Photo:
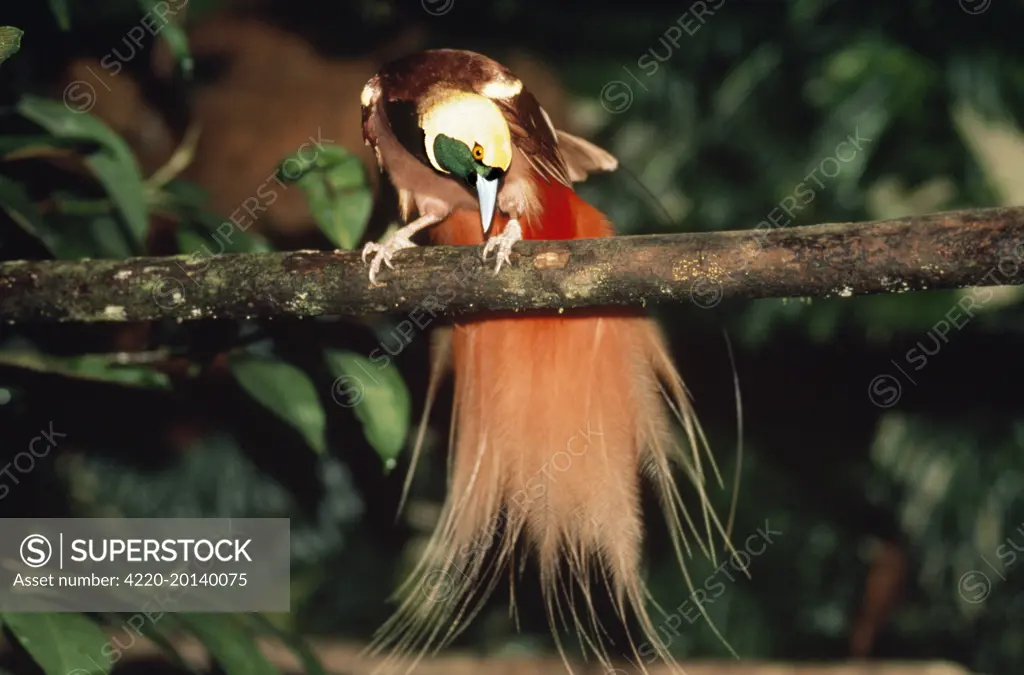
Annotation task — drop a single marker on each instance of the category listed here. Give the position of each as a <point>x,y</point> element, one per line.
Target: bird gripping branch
<point>477,160</point>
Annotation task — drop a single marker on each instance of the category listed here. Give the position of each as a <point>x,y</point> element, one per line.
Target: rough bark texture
<point>945,250</point>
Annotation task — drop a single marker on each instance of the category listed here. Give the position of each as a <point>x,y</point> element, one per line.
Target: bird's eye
<point>478,152</point>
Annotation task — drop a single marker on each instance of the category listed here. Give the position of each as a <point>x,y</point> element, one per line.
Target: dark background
<point>886,495</point>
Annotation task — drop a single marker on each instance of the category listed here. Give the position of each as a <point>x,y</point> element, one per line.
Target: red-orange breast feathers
<point>556,418</point>
<point>563,216</point>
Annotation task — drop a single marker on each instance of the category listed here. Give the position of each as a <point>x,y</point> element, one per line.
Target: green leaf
<point>154,631</point>
<point>187,192</point>
<point>14,200</point>
<point>229,643</point>
<point>61,643</point>
<point>10,41</point>
<point>24,145</point>
<point>198,9</point>
<point>284,390</point>
<point>379,398</point>
<point>206,236</point>
<point>337,190</point>
<point>174,35</point>
<point>204,233</point>
<point>157,630</point>
<point>96,367</point>
<point>310,663</point>
<point>66,237</point>
<point>114,165</point>
<point>110,241</point>
<point>76,236</point>
<point>192,242</point>
<point>62,13</point>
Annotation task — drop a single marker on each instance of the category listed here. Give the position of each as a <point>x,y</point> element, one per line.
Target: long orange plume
<point>556,420</point>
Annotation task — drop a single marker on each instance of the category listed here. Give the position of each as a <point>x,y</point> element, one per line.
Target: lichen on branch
<point>982,247</point>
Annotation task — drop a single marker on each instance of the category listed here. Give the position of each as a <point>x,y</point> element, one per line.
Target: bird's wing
<point>583,158</point>
<point>369,99</point>
<point>534,135</point>
<point>390,114</point>
<point>553,154</point>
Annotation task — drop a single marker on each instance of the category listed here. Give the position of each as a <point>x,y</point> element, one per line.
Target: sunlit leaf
<point>228,642</point>
<point>335,185</point>
<point>10,41</point>
<point>379,398</point>
<point>61,643</point>
<point>286,391</point>
<point>114,166</point>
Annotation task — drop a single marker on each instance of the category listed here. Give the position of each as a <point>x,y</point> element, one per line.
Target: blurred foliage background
<point>883,435</point>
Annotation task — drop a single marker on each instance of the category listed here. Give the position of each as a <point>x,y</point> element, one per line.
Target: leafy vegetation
<point>871,426</point>
<point>103,208</point>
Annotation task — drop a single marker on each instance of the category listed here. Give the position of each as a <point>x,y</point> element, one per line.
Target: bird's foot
<point>503,243</point>
<point>382,252</point>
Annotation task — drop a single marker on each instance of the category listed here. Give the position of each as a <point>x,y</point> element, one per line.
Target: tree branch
<point>945,250</point>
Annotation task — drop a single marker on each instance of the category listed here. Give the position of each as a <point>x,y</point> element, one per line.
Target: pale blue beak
<point>487,193</point>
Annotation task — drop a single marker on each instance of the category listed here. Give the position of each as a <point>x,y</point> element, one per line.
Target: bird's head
<point>467,137</point>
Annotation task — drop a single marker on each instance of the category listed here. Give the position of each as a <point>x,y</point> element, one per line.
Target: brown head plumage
<point>400,100</point>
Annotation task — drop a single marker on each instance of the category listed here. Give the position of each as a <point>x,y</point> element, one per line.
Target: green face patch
<point>454,156</point>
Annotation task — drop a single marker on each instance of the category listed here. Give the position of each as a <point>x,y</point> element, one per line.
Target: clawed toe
<point>382,254</point>
<point>503,244</point>
<point>400,239</point>
<point>502,257</point>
